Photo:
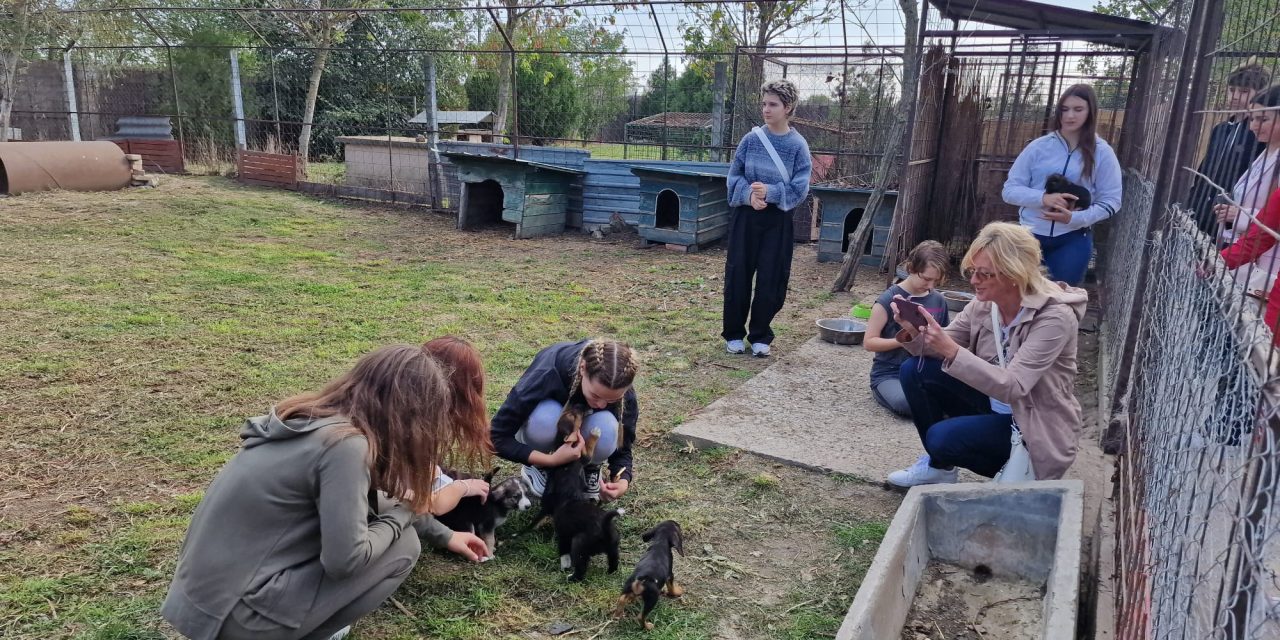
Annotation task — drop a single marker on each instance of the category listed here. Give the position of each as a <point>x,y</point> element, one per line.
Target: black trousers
<point>760,247</point>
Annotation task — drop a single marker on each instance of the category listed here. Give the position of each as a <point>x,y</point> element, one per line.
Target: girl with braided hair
<point>594,373</point>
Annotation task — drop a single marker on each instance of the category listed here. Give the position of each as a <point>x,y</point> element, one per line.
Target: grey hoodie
<point>290,508</point>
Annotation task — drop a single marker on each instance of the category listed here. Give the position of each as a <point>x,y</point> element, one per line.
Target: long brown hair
<point>397,398</point>
<point>467,409</point>
<point>1088,132</point>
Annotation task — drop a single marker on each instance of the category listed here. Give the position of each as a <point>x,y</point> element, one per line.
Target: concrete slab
<point>812,408</point>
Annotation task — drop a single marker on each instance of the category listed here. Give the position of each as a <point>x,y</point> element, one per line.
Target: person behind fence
<point>926,267</point>
<point>1232,144</point>
<point>1257,274</point>
<point>1260,240</point>
<point>1073,150</point>
<point>768,178</point>
<point>290,539</point>
<point>596,373</point>
<point>1008,358</point>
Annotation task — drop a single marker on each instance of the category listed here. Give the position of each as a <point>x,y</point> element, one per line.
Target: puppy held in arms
<point>483,518</point>
<point>1058,183</point>
<point>654,571</point>
<point>582,528</point>
<point>569,428</point>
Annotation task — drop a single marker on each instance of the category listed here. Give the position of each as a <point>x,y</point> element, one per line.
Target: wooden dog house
<point>842,209</point>
<point>531,195</point>
<point>685,207</point>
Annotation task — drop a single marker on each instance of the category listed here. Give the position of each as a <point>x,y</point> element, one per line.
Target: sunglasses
<point>981,275</point>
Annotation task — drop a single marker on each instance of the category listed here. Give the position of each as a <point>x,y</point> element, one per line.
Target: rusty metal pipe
<point>74,166</point>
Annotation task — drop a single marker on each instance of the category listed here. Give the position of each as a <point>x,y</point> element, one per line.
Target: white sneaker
<point>759,349</point>
<point>535,478</point>
<point>593,484</point>
<point>735,346</point>
<point>921,473</point>
<point>340,633</point>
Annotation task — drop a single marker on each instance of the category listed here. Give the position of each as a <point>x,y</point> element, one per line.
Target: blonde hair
<point>786,91</point>
<point>1014,253</point>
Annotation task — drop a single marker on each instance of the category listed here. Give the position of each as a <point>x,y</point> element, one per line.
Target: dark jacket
<point>289,509</point>
<point>549,377</point>
<point>1232,147</point>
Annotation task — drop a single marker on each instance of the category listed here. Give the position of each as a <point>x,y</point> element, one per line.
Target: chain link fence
<point>1189,365</point>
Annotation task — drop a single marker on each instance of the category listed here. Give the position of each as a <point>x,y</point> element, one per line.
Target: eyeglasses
<point>982,276</point>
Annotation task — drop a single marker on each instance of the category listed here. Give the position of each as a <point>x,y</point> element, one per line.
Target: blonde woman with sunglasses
<point>1009,358</point>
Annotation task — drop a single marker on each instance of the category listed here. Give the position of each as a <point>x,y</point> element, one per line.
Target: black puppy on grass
<point>583,529</point>
<point>654,571</point>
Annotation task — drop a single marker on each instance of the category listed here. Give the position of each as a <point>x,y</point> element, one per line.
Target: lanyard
<point>1001,333</point>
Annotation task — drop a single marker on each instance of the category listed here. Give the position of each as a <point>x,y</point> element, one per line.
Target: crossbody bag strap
<point>773,153</point>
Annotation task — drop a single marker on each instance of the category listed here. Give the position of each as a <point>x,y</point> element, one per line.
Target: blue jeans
<point>540,431</point>
<point>1067,256</point>
<point>955,421</point>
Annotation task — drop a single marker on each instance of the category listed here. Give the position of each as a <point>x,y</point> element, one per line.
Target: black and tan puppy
<point>483,518</point>
<point>654,571</point>
<point>1058,183</point>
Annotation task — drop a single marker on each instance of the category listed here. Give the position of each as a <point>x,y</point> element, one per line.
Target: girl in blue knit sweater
<point>768,178</point>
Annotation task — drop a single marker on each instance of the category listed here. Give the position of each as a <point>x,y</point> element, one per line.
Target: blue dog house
<point>842,210</point>
<point>684,207</point>
<point>532,195</point>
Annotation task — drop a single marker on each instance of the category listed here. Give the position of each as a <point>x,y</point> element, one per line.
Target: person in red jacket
<point>1256,242</point>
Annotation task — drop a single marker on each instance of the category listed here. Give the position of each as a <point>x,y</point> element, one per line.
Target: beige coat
<point>1039,382</point>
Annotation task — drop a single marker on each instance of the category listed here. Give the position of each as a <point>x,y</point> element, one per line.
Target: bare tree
<point>899,144</point>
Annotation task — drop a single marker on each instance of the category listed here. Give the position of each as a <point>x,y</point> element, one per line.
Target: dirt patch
<point>960,604</point>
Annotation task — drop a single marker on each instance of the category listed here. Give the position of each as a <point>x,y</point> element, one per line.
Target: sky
<point>876,21</point>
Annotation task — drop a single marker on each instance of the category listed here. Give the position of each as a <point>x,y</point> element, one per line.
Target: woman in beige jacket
<point>965,394</point>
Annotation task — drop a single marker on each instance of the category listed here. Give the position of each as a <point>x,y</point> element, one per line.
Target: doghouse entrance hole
<point>668,213</point>
<point>484,204</point>
<point>851,221</point>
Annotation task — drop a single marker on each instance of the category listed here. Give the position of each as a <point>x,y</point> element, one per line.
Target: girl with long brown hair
<point>597,374</point>
<point>291,539</point>
<point>1072,149</point>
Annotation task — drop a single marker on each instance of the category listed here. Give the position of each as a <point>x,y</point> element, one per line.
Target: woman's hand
<point>610,491</point>
<point>568,452</point>
<point>759,189</point>
<point>1055,201</point>
<point>1061,216</point>
<point>475,487</point>
<point>937,341</point>
<point>468,546</point>
<point>758,203</point>
<point>1226,213</point>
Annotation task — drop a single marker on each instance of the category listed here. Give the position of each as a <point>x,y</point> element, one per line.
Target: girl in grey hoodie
<point>291,539</point>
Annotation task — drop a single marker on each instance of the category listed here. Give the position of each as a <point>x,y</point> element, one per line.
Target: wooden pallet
<point>267,169</point>
<point>158,156</point>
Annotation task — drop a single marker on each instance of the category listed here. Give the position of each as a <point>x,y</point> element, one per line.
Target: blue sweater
<point>751,163</point>
<point>1049,154</point>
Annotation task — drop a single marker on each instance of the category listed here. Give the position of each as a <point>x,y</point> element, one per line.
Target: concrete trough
<point>1029,533</point>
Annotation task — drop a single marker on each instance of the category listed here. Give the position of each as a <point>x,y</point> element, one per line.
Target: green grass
<point>142,327</point>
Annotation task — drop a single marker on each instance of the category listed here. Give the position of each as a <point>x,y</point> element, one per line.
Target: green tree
<point>550,98</point>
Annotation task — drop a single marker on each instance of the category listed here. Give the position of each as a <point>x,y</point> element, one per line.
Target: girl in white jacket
<point>1072,149</point>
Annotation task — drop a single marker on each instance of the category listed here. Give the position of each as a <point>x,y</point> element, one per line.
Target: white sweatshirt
<point>1050,154</point>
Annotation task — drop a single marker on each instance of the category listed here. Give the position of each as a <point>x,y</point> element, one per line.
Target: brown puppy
<point>654,571</point>
<point>569,428</point>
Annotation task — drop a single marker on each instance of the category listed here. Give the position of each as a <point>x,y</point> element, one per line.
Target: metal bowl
<point>841,330</point>
<point>957,300</point>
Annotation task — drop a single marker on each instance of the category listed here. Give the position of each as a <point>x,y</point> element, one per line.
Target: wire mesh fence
<point>633,81</point>
<point>1189,362</point>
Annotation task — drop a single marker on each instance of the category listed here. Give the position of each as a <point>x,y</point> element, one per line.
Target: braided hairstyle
<point>608,362</point>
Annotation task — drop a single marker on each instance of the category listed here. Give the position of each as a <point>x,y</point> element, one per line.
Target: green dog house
<point>532,195</point>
